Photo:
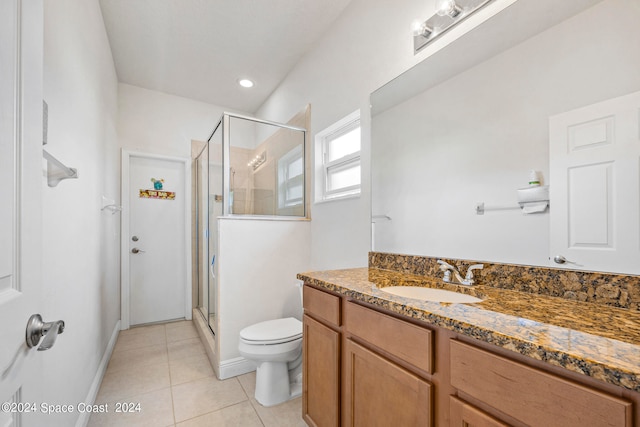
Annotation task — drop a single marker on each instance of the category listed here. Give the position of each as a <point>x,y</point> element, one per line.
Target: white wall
<point>80,243</point>
<point>160,123</point>
<point>369,44</point>
<point>258,263</point>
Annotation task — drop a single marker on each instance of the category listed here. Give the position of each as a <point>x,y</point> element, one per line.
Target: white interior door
<point>21,30</point>
<point>595,186</point>
<point>155,244</point>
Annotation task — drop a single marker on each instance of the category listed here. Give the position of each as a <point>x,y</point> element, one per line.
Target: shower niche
<point>251,229</point>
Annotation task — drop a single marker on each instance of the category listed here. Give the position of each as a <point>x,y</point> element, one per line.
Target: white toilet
<point>276,347</point>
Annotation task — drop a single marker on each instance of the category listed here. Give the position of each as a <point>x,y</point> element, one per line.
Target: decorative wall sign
<point>157,192</point>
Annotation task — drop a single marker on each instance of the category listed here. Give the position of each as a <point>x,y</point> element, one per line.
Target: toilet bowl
<point>276,347</point>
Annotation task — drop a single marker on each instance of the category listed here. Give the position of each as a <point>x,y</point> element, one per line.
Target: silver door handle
<point>136,251</point>
<point>36,329</point>
<point>559,259</point>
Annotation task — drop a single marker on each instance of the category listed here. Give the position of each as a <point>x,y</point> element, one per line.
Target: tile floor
<point>164,368</point>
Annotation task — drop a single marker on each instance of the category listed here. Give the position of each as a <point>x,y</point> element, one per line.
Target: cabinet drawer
<point>404,340</point>
<point>532,396</point>
<point>321,305</point>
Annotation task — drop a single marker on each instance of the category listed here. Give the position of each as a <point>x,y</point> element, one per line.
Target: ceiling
<point>199,48</point>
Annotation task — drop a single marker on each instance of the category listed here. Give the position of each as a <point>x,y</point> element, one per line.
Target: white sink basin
<point>430,294</point>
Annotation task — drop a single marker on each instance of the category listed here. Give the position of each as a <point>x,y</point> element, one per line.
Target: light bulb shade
<point>422,29</point>
<point>449,13</point>
<point>447,7</point>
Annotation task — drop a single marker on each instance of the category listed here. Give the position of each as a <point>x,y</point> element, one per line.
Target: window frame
<point>325,167</point>
<point>284,162</point>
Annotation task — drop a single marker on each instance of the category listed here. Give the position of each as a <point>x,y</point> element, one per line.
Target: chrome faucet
<point>447,269</point>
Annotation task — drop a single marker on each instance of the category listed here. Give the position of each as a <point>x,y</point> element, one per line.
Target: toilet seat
<point>276,331</point>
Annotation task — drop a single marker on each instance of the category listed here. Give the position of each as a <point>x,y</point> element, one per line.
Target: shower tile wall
<point>240,179</point>
<point>263,201</point>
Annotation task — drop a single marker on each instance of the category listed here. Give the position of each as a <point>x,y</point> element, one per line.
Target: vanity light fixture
<point>258,160</point>
<point>448,14</point>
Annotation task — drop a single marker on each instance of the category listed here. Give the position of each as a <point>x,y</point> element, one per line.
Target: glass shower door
<point>202,221</point>
<point>215,185</point>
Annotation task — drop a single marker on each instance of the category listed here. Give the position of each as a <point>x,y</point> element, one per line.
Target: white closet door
<point>595,186</point>
<point>155,246</point>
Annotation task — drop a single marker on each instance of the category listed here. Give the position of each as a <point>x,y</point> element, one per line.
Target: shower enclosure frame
<point>224,126</point>
<point>225,121</point>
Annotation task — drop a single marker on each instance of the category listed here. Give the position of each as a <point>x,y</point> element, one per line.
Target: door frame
<point>125,287</point>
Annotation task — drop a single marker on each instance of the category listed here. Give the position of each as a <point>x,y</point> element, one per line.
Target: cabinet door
<point>321,376</point>
<point>464,415</point>
<point>382,394</point>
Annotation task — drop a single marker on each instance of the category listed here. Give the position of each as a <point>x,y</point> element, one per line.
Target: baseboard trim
<point>236,366</point>
<point>83,419</point>
<point>225,368</point>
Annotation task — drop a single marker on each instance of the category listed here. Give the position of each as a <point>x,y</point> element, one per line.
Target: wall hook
<point>59,172</point>
<point>110,205</point>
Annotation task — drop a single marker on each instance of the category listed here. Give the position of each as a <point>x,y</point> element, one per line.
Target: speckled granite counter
<point>595,340</point>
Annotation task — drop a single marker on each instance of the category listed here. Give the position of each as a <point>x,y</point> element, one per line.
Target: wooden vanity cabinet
<point>351,372</point>
<point>379,392</point>
<point>367,367</point>
<point>321,352</point>
<point>526,394</point>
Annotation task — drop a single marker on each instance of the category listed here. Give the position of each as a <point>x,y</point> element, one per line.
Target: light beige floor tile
<point>178,324</point>
<point>179,333</point>
<point>190,368</point>
<point>185,348</point>
<point>134,381</point>
<point>128,359</point>
<point>205,395</point>
<point>287,414</point>
<point>241,414</point>
<point>156,409</point>
<point>126,342</point>
<point>141,329</point>
<point>248,383</point>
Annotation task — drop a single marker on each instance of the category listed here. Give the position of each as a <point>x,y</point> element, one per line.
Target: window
<point>291,178</point>
<point>338,159</point>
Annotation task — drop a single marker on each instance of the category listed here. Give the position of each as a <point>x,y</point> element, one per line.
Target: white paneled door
<point>595,186</point>
<point>156,249</point>
<point>21,29</point>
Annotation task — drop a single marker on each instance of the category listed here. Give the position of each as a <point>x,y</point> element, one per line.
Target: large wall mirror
<point>469,123</point>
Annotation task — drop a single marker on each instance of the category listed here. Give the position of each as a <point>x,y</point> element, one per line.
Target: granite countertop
<point>595,340</point>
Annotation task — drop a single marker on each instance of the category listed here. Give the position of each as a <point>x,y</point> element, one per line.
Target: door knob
<point>136,251</point>
<point>36,329</point>
<point>559,259</point>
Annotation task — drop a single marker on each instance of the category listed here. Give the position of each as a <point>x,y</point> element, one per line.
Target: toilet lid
<point>273,331</point>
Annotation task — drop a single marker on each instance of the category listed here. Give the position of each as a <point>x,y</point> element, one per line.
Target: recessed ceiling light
<point>245,83</point>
